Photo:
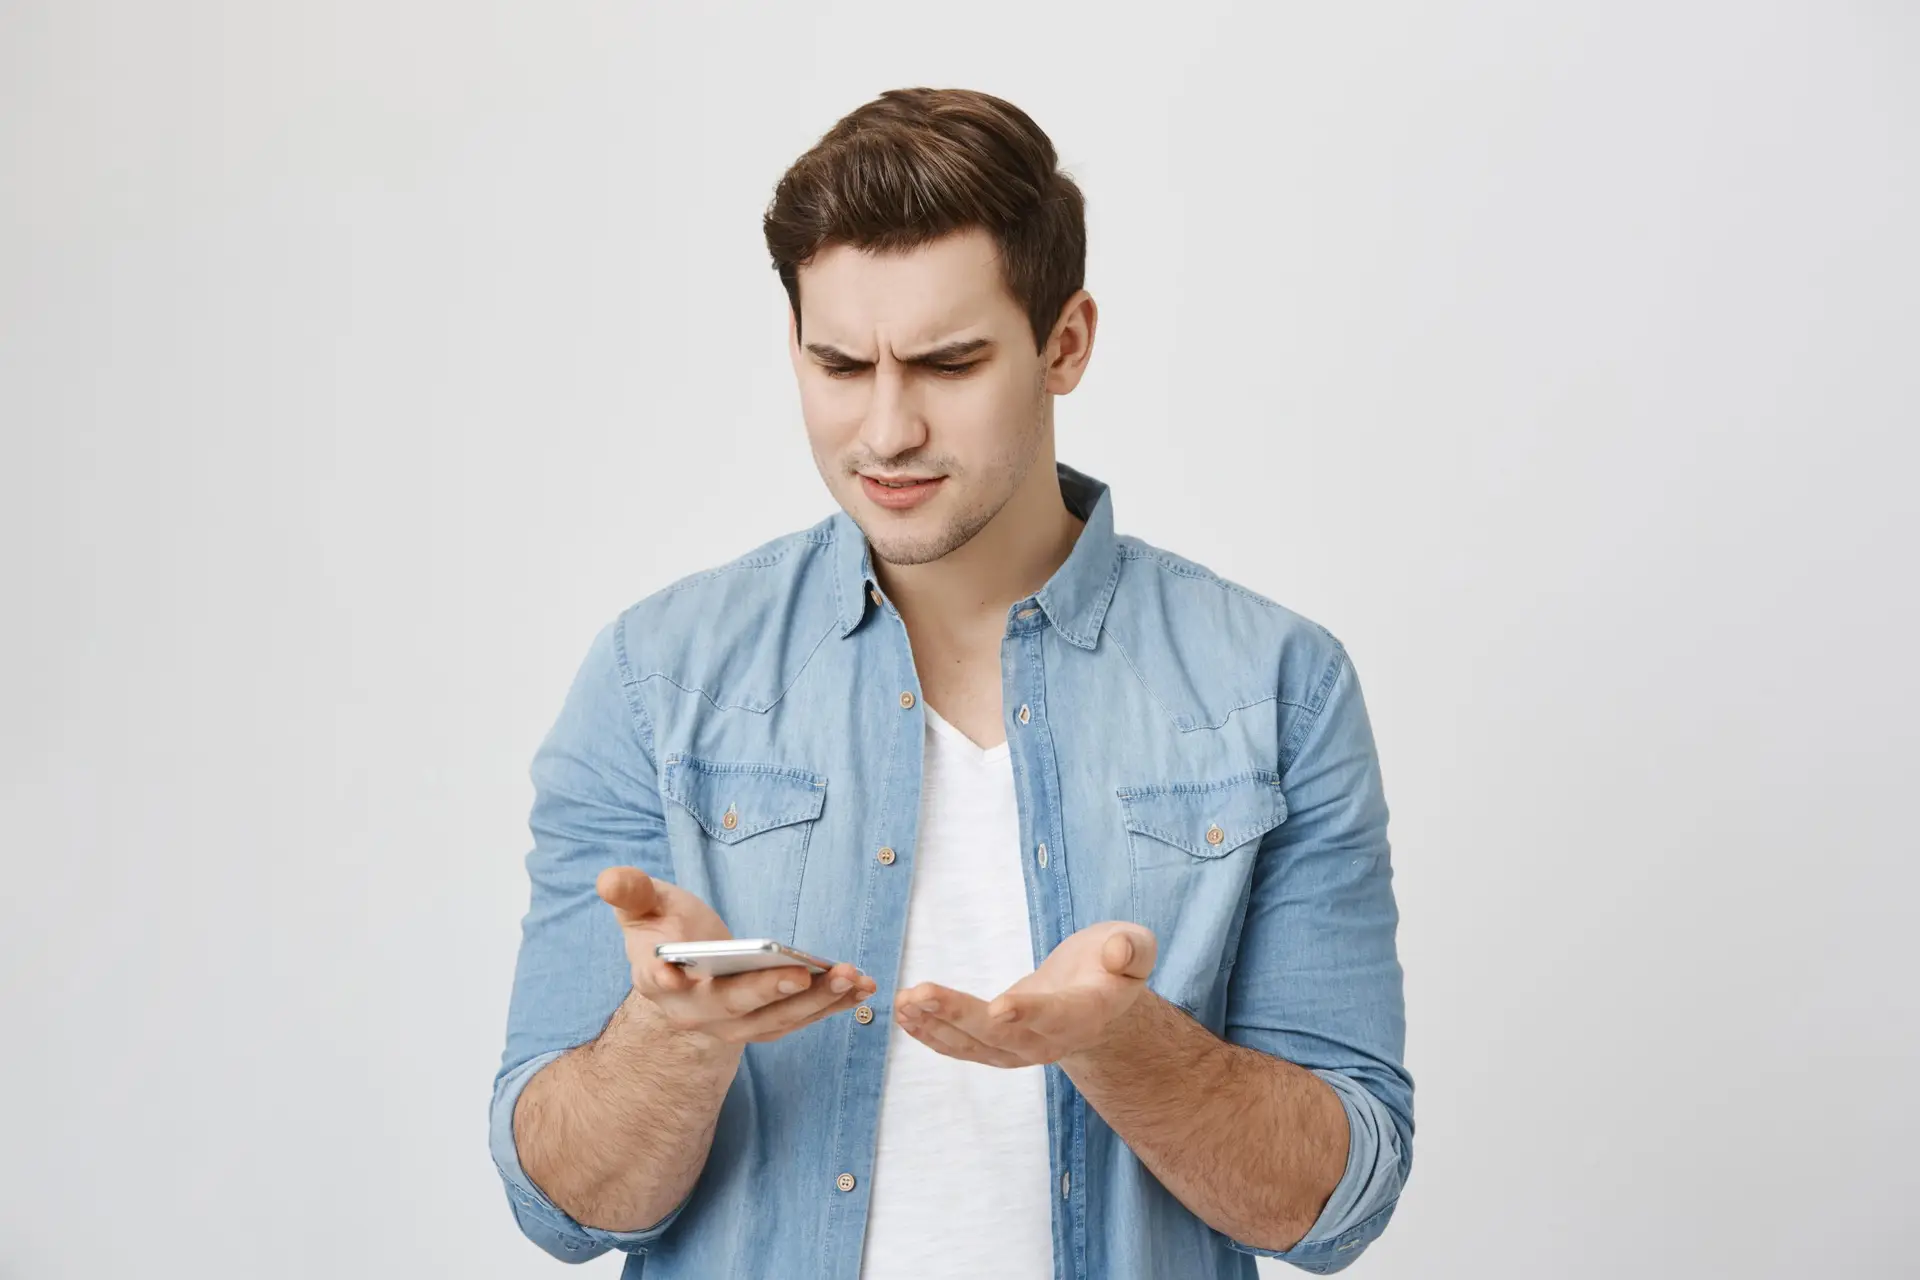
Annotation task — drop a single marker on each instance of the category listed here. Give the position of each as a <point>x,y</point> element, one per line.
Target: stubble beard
<point>983,498</point>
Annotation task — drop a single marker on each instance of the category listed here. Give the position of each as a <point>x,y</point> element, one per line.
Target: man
<point>1096,839</point>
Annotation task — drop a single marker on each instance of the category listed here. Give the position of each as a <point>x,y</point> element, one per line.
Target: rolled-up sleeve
<point>596,804</point>
<point>542,1221</point>
<point>1317,979</point>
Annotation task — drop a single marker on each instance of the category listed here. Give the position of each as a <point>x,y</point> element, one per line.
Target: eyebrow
<point>946,353</point>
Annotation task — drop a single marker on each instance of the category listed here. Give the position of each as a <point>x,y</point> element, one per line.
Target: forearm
<point>1253,1145</point>
<point>616,1131</point>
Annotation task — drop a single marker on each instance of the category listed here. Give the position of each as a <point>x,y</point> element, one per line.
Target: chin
<point>925,536</point>
<point>906,548</point>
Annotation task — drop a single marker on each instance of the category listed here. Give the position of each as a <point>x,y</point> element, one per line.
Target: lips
<point>897,494</point>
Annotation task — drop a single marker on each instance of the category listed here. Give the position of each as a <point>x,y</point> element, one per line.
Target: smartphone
<point>736,955</point>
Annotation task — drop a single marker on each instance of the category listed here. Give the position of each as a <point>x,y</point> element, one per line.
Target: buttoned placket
<point>1037,786</point>
<point>897,815</point>
<point>1048,912</point>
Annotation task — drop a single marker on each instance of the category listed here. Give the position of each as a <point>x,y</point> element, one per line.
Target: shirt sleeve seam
<point>1296,742</point>
<point>630,690</point>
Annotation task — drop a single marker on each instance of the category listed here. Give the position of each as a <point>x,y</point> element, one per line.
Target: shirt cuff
<point>1363,1202</point>
<point>544,1222</point>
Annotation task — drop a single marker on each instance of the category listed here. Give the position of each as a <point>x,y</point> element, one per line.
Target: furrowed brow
<point>945,353</point>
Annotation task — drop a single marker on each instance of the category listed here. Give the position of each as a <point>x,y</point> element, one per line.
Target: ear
<point>1070,345</point>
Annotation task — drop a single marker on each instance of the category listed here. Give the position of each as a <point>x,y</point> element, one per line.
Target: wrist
<point>639,1027</point>
<point>1112,1044</point>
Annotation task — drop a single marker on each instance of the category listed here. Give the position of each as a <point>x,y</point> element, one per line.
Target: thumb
<point>1130,952</point>
<point>629,891</point>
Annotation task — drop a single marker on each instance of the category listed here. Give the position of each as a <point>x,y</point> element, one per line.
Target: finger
<point>1130,952</point>
<point>739,994</point>
<point>838,979</point>
<point>784,1017</point>
<point>800,998</point>
<point>931,997</point>
<point>966,1011</point>
<point>1049,1015</point>
<point>924,998</point>
<point>655,978</point>
<point>844,977</point>
<point>629,891</point>
<point>704,1001</point>
<point>968,1014</point>
<point>943,1037</point>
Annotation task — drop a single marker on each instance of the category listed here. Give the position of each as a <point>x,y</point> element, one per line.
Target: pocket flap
<point>1207,819</point>
<point>734,800</point>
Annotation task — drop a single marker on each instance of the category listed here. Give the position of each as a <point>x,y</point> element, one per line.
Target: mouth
<point>899,492</point>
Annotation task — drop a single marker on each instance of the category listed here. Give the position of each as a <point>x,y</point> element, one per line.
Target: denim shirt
<point>1186,754</point>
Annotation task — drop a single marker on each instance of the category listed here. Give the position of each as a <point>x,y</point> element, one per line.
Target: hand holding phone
<point>752,1005</point>
<point>719,958</point>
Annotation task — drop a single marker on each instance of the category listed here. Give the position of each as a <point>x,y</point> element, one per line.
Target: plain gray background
<point>358,360</point>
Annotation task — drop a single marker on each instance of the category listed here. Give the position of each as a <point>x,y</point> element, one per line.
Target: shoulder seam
<point>623,670</point>
<point>1336,667</point>
<point>782,548</point>
<point>1142,551</point>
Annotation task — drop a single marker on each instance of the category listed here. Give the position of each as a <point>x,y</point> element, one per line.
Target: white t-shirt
<point>961,1181</point>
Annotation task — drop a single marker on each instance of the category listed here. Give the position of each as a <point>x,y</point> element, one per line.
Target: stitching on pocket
<point>1242,807</point>
<point>799,794</point>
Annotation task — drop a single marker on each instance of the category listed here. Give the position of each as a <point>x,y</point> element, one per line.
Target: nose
<point>893,425</point>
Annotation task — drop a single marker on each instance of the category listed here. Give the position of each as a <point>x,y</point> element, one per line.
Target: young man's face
<point>918,368</point>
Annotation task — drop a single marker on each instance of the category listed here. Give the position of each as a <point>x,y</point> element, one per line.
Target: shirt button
<point>730,819</point>
<point>886,856</point>
<point>906,702</point>
<point>863,1015</point>
<point>1215,835</point>
<point>1025,715</point>
<point>1043,854</point>
<point>844,1182</point>
<point>874,595</point>
<point>1066,1182</point>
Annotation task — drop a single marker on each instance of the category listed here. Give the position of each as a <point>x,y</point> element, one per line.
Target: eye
<point>956,370</point>
<point>839,371</point>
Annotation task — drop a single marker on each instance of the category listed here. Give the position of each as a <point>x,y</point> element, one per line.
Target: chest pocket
<point>749,825</point>
<point>1191,847</point>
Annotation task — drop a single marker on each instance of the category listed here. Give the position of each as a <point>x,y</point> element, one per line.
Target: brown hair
<point>914,165</point>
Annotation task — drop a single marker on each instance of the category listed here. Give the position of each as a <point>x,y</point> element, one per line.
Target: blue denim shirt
<point>1186,753</point>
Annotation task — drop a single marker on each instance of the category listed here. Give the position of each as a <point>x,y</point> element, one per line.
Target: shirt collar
<point>1075,598</point>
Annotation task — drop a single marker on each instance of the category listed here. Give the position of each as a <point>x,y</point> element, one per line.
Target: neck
<point>966,593</point>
